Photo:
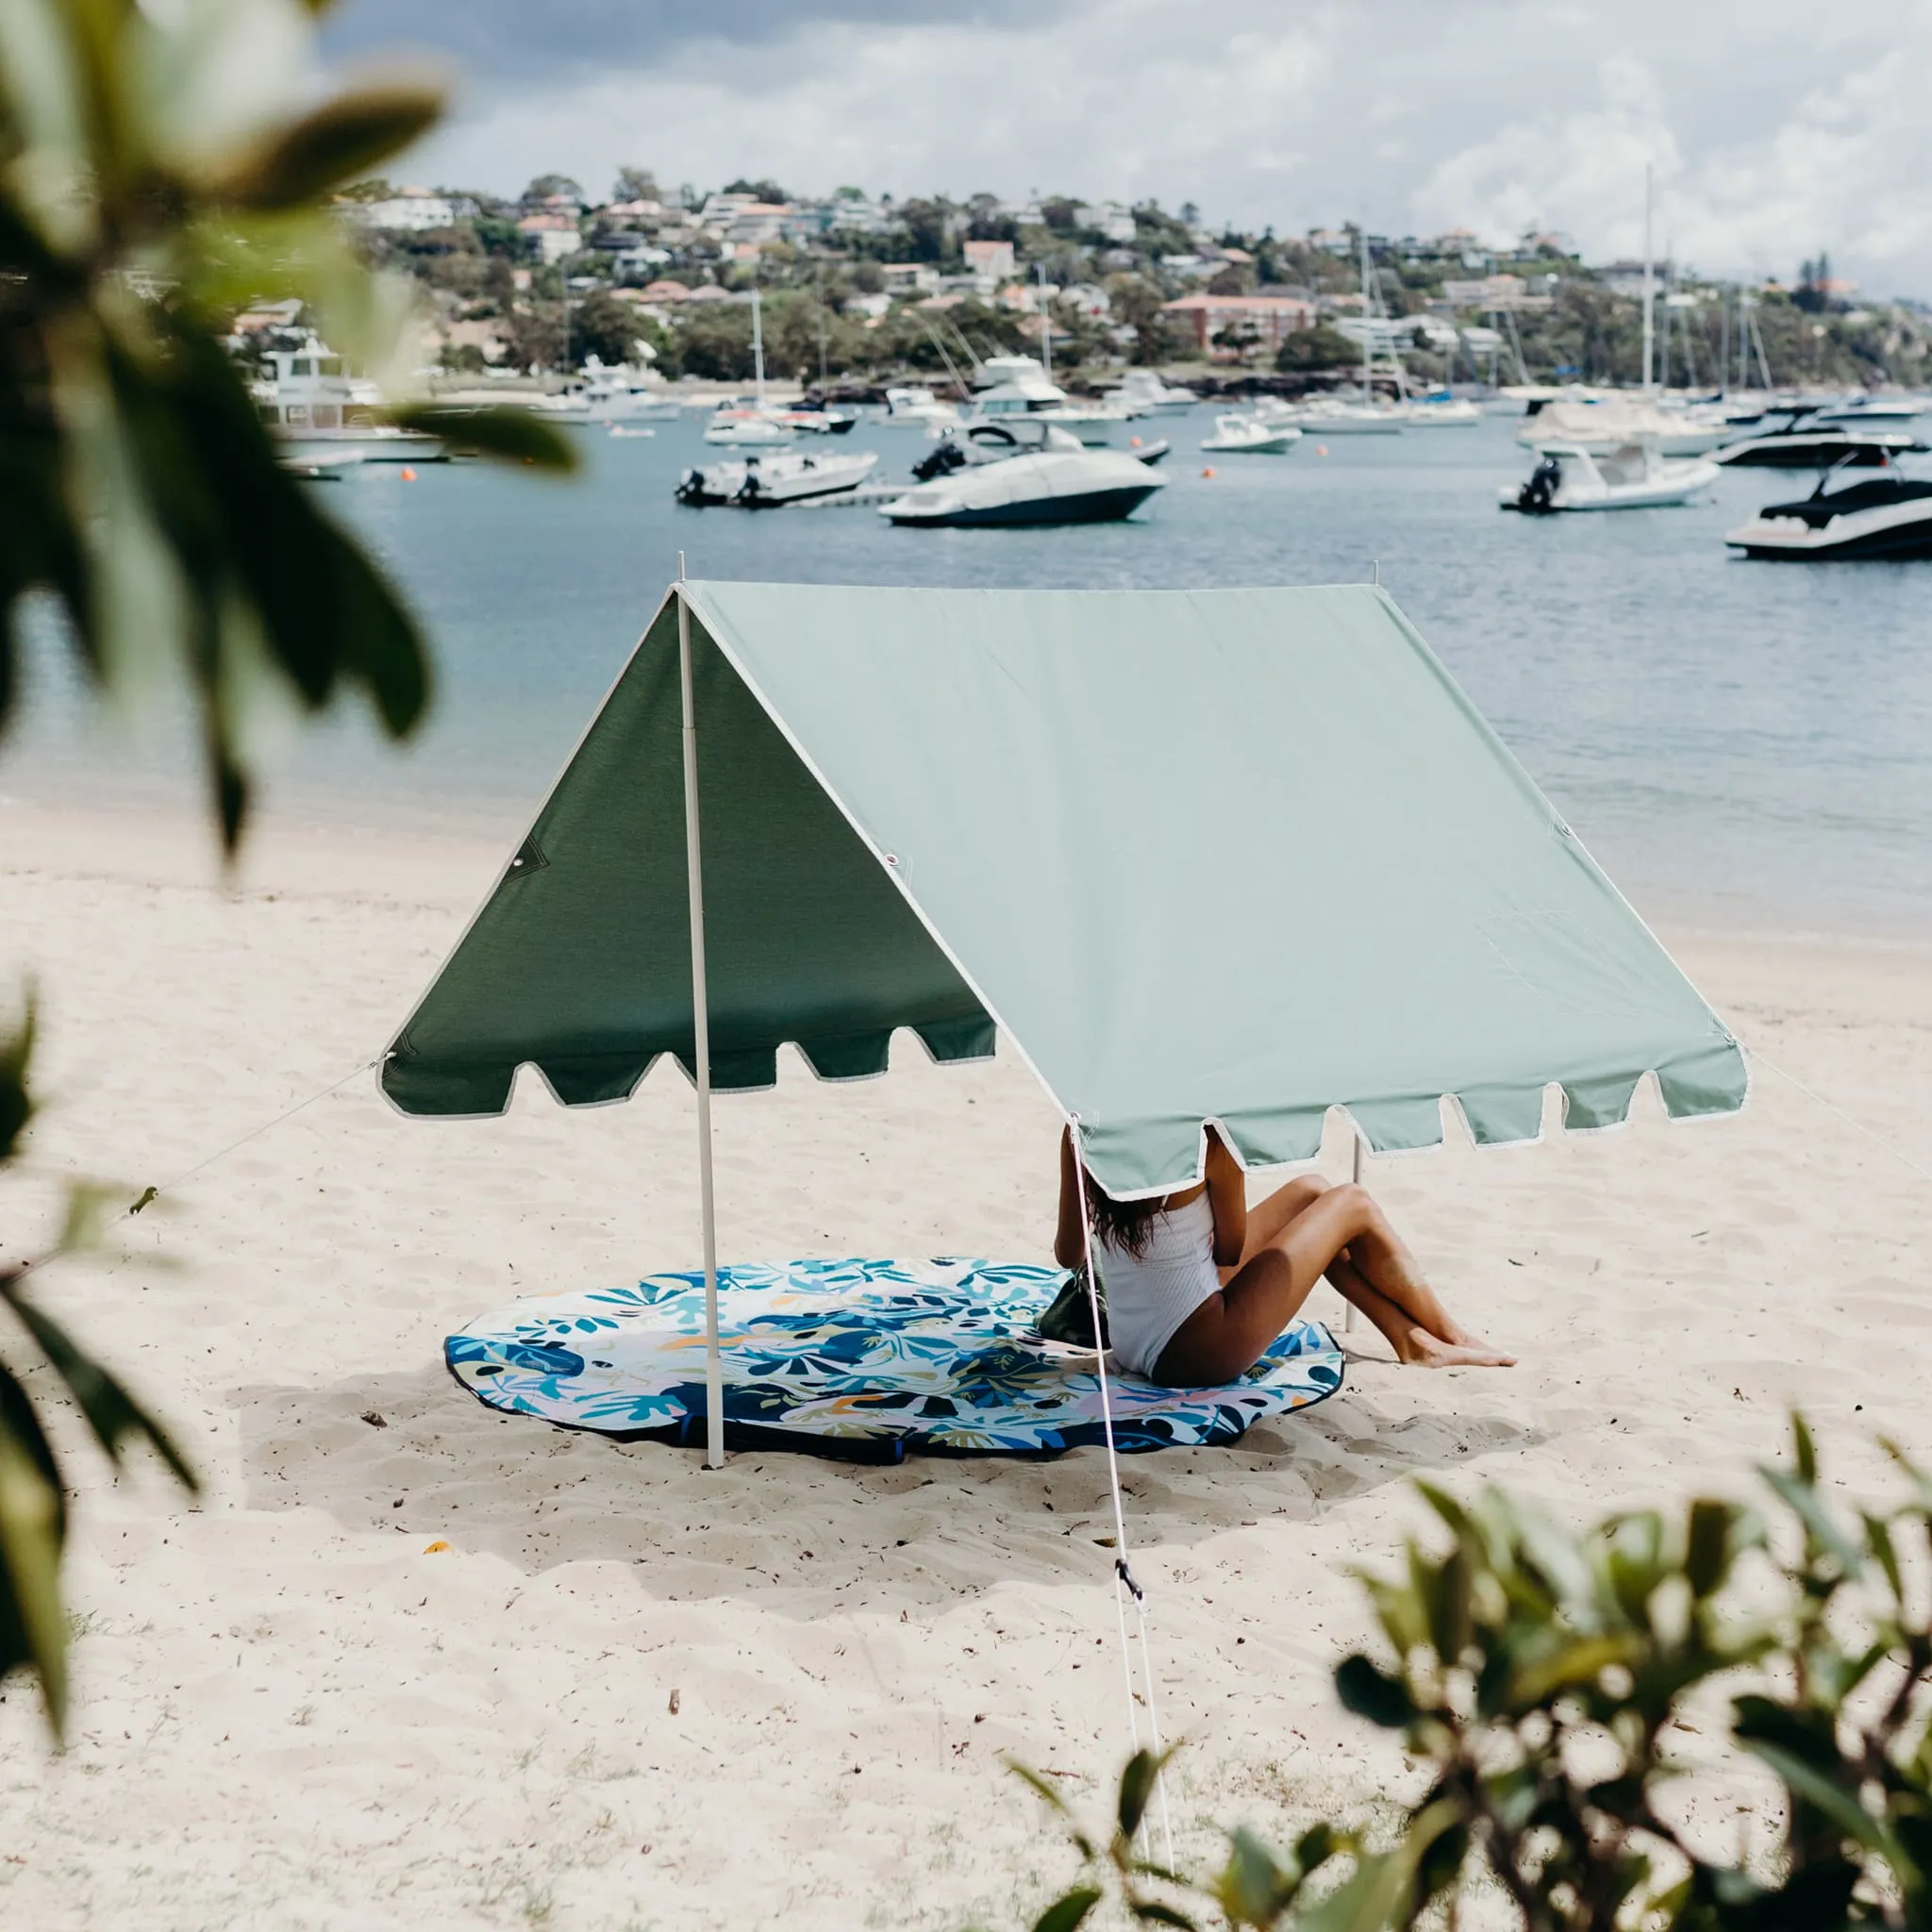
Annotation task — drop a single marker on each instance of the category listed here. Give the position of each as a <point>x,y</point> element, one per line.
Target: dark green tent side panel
<point>581,959</point>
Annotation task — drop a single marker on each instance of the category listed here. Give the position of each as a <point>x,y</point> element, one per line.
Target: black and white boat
<point>973,444</point>
<point>770,481</point>
<point>1806,438</point>
<point>1014,474</point>
<point>1882,517</point>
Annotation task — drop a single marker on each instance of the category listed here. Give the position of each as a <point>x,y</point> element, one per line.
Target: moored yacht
<point>1442,410</point>
<point>772,480</point>
<point>1061,483</point>
<point>604,395</point>
<point>1880,517</point>
<point>917,409</point>
<point>321,414</point>
<point>1144,394</point>
<point>1585,476</point>
<point>1255,436</point>
<point>1019,386</point>
<point>1799,438</point>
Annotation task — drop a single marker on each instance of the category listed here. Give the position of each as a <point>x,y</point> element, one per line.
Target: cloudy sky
<point>1775,127</point>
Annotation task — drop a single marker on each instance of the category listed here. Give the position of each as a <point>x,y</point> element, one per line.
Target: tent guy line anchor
<point>155,1190</point>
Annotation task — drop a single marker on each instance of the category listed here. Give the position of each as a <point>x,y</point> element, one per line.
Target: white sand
<point>288,1715</point>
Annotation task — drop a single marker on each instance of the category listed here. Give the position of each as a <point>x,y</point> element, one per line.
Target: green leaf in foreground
<point>1068,1910</point>
<point>332,145</point>
<point>32,1528</point>
<point>111,1412</point>
<point>509,434</point>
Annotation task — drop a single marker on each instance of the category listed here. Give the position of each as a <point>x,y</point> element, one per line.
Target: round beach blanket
<point>938,1354</point>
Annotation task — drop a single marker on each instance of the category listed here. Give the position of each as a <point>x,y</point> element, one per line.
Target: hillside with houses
<point>857,288</point>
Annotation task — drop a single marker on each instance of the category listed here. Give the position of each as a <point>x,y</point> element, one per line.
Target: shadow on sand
<point>925,1532</point>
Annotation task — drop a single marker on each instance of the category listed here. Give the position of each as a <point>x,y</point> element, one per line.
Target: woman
<point>1198,1283</point>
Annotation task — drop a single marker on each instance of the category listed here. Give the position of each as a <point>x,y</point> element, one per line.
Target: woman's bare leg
<point>1225,1336</point>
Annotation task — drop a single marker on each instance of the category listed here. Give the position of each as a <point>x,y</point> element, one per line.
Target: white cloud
<point>1844,167</point>
<point>1775,129</point>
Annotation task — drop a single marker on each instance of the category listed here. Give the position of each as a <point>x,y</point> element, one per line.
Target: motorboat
<point>1021,387</point>
<point>753,428</point>
<point>1616,419</point>
<point>1444,410</point>
<point>1632,476</point>
<point>1797,439</point>
<point>1868,411</point>
<point>1254,436</point>
<point>602,396</point>
<point>917,409</point>
<point>620,431</point>
<point>1881,517</point>
<point>1145,394</point>
<point>1058,486</point>
<point>770,482</point>
<point>1328,416</point>
<point>822,422</point>
<point>972,445</point>
<point>316,411</point>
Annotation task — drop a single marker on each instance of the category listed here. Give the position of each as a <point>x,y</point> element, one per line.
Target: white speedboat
<point>917,409</point>
<point>973,444</point>
<point>1145,394</point>
<point>1250,436</point>
<point>602,395</point>
<point>747,429</point>
<point>318,412</point>
<point>1634,475</point>
<point>1882,517</point>
<point>1021,387</point>
<point>820,422</point>
<point>1059,486</point>
<point>770,482</point>
<point>1326,418</point>
<point>1798,439</point>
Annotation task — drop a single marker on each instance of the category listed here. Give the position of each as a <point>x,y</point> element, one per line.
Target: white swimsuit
<point>1150,1295</point>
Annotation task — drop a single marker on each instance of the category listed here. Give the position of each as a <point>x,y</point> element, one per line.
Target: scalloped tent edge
<point>1239,856</point>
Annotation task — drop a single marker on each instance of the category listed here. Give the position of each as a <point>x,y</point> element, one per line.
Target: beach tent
<point>1233,856</point>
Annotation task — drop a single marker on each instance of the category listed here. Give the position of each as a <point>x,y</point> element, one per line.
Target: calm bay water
<point>1739,744</point>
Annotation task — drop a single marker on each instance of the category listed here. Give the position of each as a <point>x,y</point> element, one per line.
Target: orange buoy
<point>1209,471</point>
<point>408,474</point>
<point>1321,449</point>
<point>1135,441</point>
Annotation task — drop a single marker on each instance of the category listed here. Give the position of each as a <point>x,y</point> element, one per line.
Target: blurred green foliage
<point>1547,1680</point>
<point>162,168</point>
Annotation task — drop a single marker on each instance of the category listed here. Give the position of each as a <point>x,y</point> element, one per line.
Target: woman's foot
<point>1419,1349</point>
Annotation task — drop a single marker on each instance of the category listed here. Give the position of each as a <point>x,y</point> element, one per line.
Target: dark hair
<point>1123,1224</point>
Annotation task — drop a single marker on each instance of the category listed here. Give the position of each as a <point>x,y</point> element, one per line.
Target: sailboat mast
<point>1367,334</point>
<point>757,346</point>
<point>1649,285</point>
<point>1045,322</point>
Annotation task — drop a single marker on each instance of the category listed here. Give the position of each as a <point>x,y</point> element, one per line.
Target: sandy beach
<point>634,1695</point>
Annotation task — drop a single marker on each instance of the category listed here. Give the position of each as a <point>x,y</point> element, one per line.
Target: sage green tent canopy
<point>1228,855</point>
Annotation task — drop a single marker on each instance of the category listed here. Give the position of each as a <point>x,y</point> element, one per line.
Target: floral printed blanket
<point>926,1354</point>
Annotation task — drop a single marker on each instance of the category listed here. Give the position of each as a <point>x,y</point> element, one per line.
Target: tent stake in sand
<point>701,1042</point>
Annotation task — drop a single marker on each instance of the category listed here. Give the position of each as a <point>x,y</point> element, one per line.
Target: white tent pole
<point>701,1042</point>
